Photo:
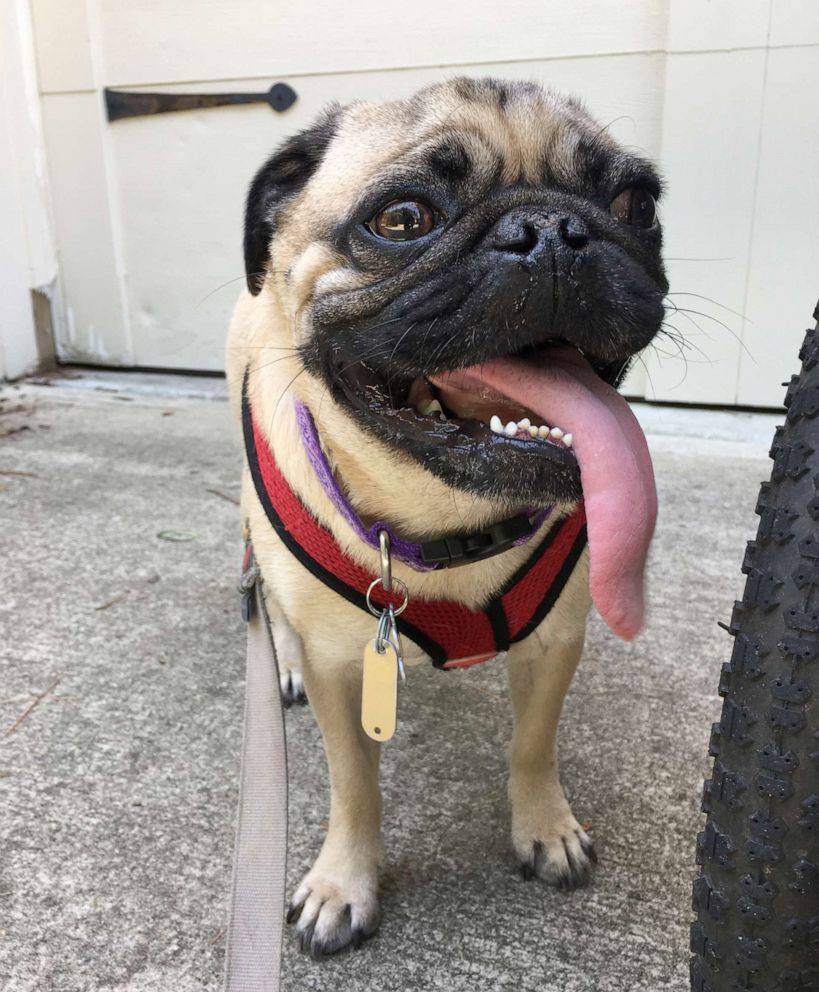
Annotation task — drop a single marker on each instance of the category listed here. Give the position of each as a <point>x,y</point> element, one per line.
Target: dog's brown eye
<point>404,220</point>
<point>634,206</point>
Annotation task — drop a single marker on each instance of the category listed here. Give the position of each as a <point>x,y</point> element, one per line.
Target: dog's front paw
<point>334,909</point>
<point>554,848</point>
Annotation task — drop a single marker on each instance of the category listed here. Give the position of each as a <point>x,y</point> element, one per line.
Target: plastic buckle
<point>449,552</point>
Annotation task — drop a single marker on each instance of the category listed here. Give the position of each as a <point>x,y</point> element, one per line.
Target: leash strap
<point>254,940</point>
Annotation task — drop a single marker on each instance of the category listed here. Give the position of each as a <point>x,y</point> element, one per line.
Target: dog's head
<point>461,268</point>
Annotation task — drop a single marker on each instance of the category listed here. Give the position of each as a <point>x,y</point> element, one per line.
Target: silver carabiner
<point>384,631</point>
<point>395,640</point>
<point>387,633</point>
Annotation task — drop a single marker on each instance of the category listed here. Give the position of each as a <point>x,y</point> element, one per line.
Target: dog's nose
<point>574,232</point>
<point>524,233</point>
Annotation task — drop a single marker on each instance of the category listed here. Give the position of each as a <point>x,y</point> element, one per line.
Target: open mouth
<point>478,410</point>
<point>530,430</point>
<point>462,413</point>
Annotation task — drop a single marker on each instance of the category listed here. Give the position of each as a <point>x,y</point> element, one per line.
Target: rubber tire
<point>757,895</point>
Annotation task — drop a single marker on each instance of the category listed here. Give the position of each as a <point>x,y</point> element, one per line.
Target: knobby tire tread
<point>756,899</point>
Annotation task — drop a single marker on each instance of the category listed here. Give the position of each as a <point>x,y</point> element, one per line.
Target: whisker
<point>267,365</point>
<point>622,117</point>
<point>730,258</point>
<point>455,507</point>
<point>390,377</point>
<point>443,347</point>
<point>685,311</point>
<point>230,282</point>
<point>281,397</point>
<point>684,358</point>
<point>680,339</point>
<point>261,347</point>
<point>715,302</point>
<point>641,360</point>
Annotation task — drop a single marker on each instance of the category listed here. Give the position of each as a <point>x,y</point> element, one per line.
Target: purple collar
<point>429,555</point>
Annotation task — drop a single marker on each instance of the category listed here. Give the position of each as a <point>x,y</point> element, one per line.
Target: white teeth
<point>426,407</point>
<point>525,426</point>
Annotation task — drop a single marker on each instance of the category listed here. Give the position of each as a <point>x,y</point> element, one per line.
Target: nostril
<point>520,239</point>
<point>574,232</point>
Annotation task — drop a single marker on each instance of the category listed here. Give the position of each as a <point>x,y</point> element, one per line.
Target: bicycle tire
<point>756,898</point>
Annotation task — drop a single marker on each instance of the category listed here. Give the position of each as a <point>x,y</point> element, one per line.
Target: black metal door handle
<point>126,103</point>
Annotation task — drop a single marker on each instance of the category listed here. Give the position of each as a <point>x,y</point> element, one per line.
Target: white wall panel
<point>714,25</point>
<point>711,127</point>
<point>795,22</point>
<point>153,41</point>
<point>64,61</point>
<point>148,211</point>
<point>181,216</point>
<point>783,279</point>
<point>94,326</point>
<point>18,342</point>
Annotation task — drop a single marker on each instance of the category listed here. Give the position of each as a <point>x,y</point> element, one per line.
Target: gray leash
<point>254,940</point>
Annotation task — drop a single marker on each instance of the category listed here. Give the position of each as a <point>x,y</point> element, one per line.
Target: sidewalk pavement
<point>121,667</point>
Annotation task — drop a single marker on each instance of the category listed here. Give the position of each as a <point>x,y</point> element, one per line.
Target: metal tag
<point>379,691</point>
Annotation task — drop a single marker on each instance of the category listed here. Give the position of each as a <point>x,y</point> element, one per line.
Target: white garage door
<point>148,210</point>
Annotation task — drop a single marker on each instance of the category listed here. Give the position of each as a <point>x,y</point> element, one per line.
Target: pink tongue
<point>615,466</point>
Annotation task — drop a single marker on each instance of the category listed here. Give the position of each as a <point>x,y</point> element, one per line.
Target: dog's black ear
<point>281,177</point>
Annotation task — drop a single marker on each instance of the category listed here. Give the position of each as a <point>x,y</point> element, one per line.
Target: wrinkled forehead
<point>486,131</point>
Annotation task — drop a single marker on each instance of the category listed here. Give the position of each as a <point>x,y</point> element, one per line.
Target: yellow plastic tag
<point>379,691</point>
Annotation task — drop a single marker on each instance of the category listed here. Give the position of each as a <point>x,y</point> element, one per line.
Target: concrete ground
<point>121,667</point>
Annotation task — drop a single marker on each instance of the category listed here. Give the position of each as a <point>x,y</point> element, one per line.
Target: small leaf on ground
<point>176,535</point>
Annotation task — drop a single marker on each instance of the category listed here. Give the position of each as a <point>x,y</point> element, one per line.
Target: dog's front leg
<point>337,901</point>
<point>547,839</point>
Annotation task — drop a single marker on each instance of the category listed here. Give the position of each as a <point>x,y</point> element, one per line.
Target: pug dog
<point>453,286</point>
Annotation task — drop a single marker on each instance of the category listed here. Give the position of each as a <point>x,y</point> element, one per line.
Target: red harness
<point>453,635</point>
